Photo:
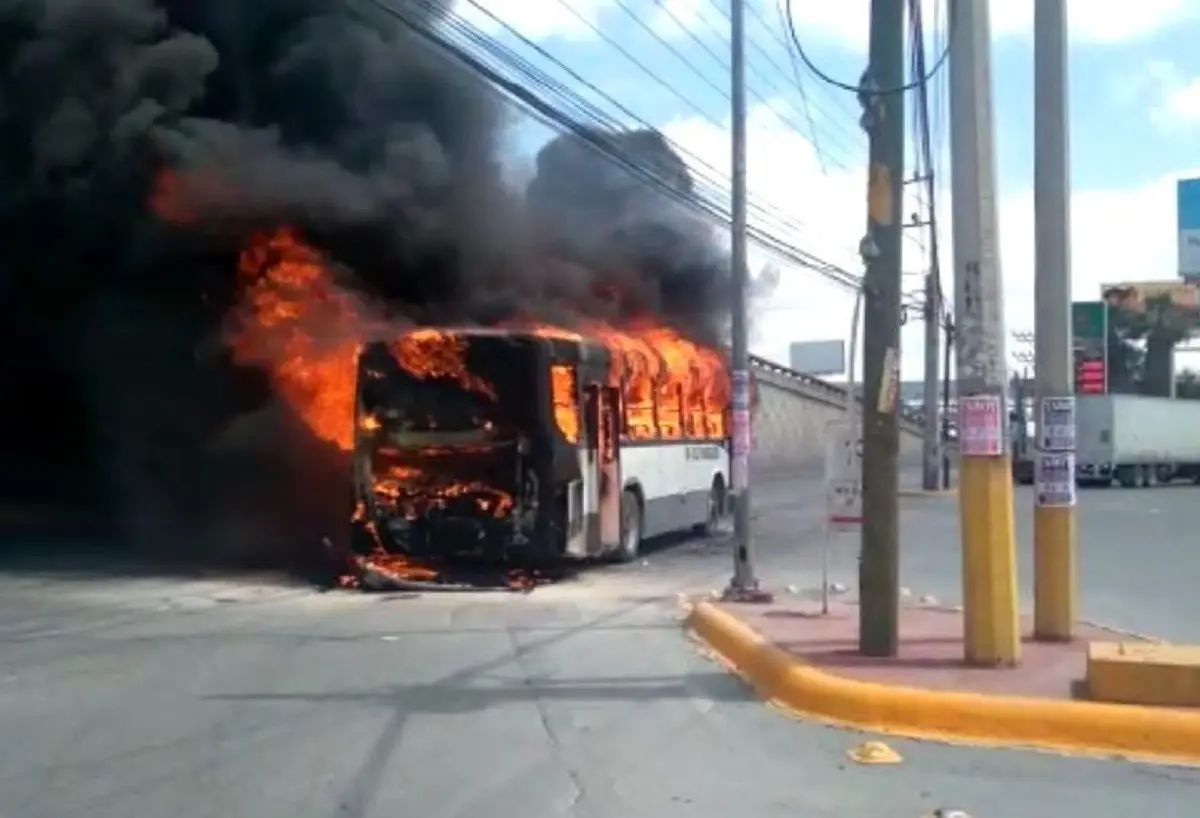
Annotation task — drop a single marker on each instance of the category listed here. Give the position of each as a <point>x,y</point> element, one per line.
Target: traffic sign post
<point>843,490</point>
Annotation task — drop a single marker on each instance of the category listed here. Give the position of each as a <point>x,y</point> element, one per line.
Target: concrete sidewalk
<point>807,663</point>
<point>931,649</point>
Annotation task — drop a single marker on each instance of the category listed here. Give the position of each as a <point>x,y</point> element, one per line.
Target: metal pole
<point>929,451</point>
<point>743,586</point>
<point>991,635</point>
<point>1054,572</point>
<point>851,387</point>
<point>878,569</point>
<point>946,403</point>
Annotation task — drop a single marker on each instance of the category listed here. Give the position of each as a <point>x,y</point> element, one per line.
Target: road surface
<point>143,698</point>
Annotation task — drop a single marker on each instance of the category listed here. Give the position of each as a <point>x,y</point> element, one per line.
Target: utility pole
<point>1054,584</point>
<point>946,353</point>
<point>883,119</point>
<point>930,465</point>
<point>991,635</point>
<point>744,585</point>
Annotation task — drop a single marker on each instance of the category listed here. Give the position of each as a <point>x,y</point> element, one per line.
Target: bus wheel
<point>716,509</point>
<point>631,527</point>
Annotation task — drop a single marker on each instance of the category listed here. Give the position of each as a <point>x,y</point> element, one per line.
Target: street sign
<point>843,475</point>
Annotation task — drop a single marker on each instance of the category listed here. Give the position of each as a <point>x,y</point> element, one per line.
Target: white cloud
<point>1092,21</point>
<point>1117,235</point>
<point>1176,99</point>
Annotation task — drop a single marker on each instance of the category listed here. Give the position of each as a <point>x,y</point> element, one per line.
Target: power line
<point>555,117</point>
<point>860,89</point>
<point>583,114</point>
<point>758,208</point>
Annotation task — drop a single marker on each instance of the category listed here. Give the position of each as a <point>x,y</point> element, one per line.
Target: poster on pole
<point>1054,479</point>
<point>1056,425</point>
<point>843,476</point>
<point>981,426</point>
<point>742,442</point>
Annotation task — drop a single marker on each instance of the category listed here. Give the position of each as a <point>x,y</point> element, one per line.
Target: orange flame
<point>305,331</point>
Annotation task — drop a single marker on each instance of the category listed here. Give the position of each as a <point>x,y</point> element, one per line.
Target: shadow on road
<point>69,543</point>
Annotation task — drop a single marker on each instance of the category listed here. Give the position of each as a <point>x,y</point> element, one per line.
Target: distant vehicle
<point>1136,440</point>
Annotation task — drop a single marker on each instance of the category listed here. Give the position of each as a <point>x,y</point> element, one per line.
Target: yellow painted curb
<point>1090,728</point>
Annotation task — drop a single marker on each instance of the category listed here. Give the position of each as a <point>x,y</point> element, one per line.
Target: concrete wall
<point>793,413</point>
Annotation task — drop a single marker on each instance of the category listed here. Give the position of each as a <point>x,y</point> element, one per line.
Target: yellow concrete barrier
<point>1136,673</point>
<point>1091,728</point>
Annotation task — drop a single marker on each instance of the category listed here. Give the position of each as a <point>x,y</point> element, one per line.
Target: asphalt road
<point>145,698</point>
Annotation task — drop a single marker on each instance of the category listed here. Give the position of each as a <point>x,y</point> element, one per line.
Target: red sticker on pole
<point>980,426</point>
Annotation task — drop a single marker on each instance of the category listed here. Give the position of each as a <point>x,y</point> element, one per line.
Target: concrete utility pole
<point>744,585</point>
<point>1054,583</point>
<point>883,118</point>
<point>991,635</point>
<point>946,353</point>
<point>930,457</point>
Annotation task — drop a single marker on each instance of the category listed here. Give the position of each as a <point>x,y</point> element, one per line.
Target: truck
<point>1136,440</point>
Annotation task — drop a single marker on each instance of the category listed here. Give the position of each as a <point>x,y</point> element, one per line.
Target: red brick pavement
<point>931,650</point>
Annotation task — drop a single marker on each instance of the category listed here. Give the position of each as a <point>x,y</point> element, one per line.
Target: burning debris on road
<point>221,213</point>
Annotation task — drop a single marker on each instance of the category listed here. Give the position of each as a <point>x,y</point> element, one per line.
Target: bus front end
<point>450,458</point>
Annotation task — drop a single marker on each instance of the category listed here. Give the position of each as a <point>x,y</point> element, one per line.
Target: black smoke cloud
<point>334,118</point>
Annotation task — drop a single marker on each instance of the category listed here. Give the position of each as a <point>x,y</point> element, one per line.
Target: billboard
<point>818,358</point>
<point>1187,192</point>
<point>1133,296</point>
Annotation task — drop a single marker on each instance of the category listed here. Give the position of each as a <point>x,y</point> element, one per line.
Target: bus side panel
<point>704,463</point>
<point>641,466</point>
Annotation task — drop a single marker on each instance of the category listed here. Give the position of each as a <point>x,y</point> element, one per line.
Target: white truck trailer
<point>1136,440</point>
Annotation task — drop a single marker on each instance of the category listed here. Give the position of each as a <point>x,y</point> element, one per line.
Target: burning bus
<point>536,444</point>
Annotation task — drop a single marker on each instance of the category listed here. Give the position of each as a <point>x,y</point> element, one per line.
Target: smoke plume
<point>337,121</point>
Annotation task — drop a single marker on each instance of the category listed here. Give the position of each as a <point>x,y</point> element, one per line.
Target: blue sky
<point>1135,114</point>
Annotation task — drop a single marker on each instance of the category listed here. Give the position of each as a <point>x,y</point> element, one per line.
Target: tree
<point>1161,325</point>
<point>1126,359</point>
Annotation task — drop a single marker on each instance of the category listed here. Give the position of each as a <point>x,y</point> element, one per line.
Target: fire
<point>302,329</point>
<point>563,387</point>
<point>672,387</point>
<point>296,323</point>
<point>431,353</point>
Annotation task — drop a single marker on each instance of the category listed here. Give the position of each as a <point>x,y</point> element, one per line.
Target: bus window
<point>669,409</point>
<point>638,422</point>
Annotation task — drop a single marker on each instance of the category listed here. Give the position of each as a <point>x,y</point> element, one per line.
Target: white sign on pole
<point>1054,478</point>
<point>843,476</point>
<point>980,426</point>
<point>1057,425</point>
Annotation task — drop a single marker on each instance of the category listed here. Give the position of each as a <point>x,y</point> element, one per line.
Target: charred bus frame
<point>524,482</point>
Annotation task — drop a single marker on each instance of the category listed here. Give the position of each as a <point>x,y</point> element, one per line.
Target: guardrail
<point>835,392</point>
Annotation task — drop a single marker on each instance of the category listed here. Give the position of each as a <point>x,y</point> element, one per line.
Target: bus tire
<point>716,509</point>
<point>631,527</point>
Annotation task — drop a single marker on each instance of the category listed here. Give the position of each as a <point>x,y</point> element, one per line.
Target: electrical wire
<point>635,61</point>
<point>724,64</point>
<point>555,117</point>
<point>859,89</point>
<point>925,151</point>
<point>488,44</point>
